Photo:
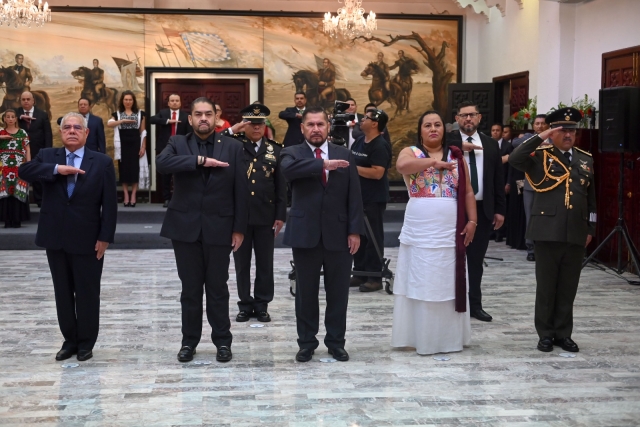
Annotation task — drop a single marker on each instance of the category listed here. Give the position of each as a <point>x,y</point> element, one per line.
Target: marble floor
<point>134,378</point>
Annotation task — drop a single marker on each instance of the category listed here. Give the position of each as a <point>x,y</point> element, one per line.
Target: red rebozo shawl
<point>461,222</point>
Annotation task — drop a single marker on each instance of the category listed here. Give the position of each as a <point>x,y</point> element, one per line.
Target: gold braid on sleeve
<point>546,164</point>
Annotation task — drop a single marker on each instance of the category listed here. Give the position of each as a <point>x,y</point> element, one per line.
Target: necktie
<point>173,125</point>
<point>255,146</point>
<point>324,173</point>
<point>568,156</point>
<point>71,179</point>
<point>28,121</point>
<point>473,170</point>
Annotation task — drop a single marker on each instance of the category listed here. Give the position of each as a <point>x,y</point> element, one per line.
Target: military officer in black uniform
<point>563,222</point>
<point>267,212</point>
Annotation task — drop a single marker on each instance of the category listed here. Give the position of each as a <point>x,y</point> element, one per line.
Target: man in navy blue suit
<point>96,140</point>
<point>77,223</point>
<point>324,227</point>
<point>293,117</point>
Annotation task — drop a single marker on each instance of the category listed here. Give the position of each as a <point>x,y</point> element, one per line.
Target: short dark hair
<point>134,107</point>
<point>371,104</point>
<point>420,120</point>
<point>300,93</point>
<point>540,116</point>
<point>96,59</point>
<point>86,99</point>
<point>351,99</point>
<point>314,110</point>
<point>467,103</point>
<point>498,124</point>
<point>202,99</point>
<point>382,119</point>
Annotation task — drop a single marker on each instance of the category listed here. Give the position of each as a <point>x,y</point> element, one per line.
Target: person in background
<point>169,121</point>
<point>36,123</point>
<point>96,140</point>
<point>539,126</point>
<point>293,117</point>
<point>130,135</point>
<point>14,191</point>
<point>431,304</point>
<point>221,124</point>
<point>81,206</point>
<point>373,160</point>
<point>505,149</point>
<point>352,124</point>
<point>516,225</point>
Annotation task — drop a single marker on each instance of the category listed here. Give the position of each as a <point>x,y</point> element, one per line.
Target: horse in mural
<point>307,81</point>
<point>406,69</point>
<point>83,75</point>
<point>378,92</point>
<point>13,87</point>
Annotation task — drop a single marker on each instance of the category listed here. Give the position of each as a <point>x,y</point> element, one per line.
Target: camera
<point>339,129</point>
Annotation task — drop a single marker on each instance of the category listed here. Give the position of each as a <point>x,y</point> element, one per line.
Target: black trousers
<point>259,238</point>
<point>476,251</point>
<point>166,186</point>
<point>558,267</point>
<point>76,284</point>
<point>367,259</point>
<point>201,264</point>
<point>337,271</point>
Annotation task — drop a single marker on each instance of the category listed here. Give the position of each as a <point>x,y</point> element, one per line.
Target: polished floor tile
<point>134,378</point>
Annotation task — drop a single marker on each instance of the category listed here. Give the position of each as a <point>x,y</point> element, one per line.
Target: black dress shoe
<point>567,344</point>
<point>531,257</point>
<point>165,204</point>
<point>65,353</point>
<point>482,315</point>
<point>224,354</point>
<point>545,344</point>
<point>243,316</point>
<point>304,354</point>
<point>340,354</point>
<point>499,239</point>
<point>263,316</point>
<point>84,355</point>
<point>186,354</point>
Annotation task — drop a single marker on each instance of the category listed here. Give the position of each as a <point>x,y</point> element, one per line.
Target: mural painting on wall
<point>403,68</point>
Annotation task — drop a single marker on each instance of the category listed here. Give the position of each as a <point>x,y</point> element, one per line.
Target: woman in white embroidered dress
<point>430,307</point>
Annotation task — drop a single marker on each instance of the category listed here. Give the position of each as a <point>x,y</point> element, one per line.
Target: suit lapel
<point>193,145</point>
<point>61,160</point>
<point>85,165</point>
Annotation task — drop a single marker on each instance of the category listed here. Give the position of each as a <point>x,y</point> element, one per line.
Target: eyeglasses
<point>367,117</point>
<point>67,128</point>
<point>469,115</point>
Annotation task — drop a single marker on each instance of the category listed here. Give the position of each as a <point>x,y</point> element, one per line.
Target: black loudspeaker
<point>620,120</point>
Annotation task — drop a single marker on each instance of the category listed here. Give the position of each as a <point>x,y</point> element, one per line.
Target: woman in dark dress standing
<point>130,139</point>
<point>516,226</point>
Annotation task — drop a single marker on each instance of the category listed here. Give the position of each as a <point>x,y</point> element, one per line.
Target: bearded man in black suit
<point>487,181</point>
<point>206,219</point>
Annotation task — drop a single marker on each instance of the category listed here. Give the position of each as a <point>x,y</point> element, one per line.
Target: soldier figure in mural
<point>385,68</point>
<point>24,74</point>
<point>327,81</point>
<point>97,78</point>
<point>406,66</point>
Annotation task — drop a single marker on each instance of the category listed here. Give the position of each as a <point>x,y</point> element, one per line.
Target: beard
<point>469,128</point>
<point>203,129</point>
<point>316,141</point>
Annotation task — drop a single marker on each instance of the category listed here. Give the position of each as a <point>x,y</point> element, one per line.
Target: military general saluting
<point>267,212</point>
<point>562,222</point>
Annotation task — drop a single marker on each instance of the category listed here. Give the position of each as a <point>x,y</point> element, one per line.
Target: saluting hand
<point>467,146</point>
<point>213,163</point>
<point>69,170</point>
<point>335,164</point>
<point>445,165</point>
<point>549,132</point>
<point>236,240</point>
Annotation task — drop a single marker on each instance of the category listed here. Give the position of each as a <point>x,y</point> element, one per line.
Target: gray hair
<point>77,116</point>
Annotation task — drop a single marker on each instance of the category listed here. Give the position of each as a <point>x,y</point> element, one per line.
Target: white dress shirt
<point>479,162</point>
<point>570,151</point>
<point>259,143</point>
<point>171,115</point>
<point>324,154</point>
<point>351,139</point>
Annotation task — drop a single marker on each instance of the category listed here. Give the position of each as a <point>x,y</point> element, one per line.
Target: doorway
<point>511,95</point>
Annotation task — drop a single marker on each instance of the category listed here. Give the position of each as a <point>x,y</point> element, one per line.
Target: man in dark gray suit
<point>324,227</point>
<point>96,140</point>
<point>77,223</point>
<point>206,219</point>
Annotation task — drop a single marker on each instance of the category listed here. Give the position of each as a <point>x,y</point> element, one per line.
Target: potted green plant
<point>526,115</point>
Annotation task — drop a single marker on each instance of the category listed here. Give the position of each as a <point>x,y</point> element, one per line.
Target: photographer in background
<point>373,158</point>
<point>357,133</point>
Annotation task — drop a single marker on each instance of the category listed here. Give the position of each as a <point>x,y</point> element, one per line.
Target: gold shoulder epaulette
<point>583,152</point>
<point>275,142</point>
<point>546,147</point>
